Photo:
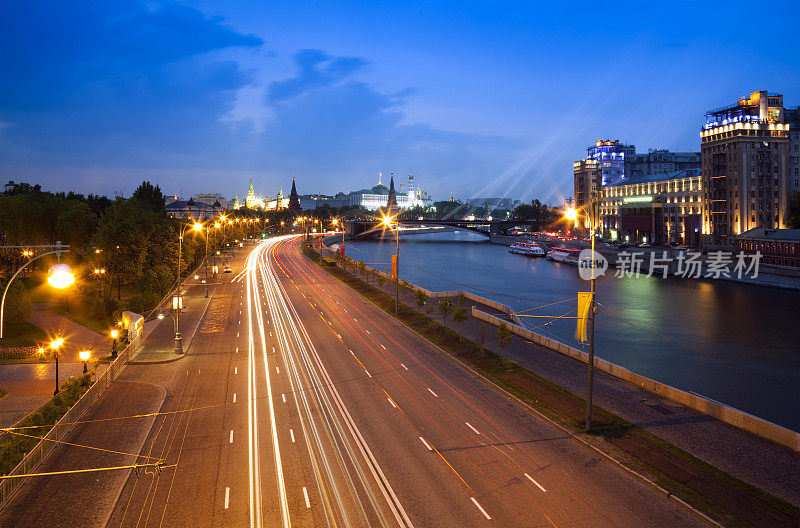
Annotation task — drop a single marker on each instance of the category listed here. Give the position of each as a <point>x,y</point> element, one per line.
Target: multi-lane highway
<point>301,404</point>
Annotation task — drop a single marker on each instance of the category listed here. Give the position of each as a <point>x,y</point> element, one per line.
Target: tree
<point>461,299</point>
<point>420,298</point>
<point>460,315</point>
<point>18,307</point>
<point>150,197</point>
<point>76,226</point>
<point>504,337</point>
<point>482,335</point>
<point>445,308</point>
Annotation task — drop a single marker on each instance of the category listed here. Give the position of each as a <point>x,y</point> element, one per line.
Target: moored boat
<point>564,255</point>
<point>531,249</point>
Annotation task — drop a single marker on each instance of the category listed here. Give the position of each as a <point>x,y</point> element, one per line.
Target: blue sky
<point>477,98</point>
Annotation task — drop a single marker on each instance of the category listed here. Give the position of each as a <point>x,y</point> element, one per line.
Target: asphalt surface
<point>298,403</point>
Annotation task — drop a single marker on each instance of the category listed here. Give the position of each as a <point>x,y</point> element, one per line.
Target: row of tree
<point>131,242</point>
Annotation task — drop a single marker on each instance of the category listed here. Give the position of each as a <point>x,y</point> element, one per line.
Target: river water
<point>735,343</point>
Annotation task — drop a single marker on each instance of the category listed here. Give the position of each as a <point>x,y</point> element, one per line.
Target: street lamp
<point>59,276</point>
<point>84,355</point>
<point>387,222</point>
<point>177,301</point>
<point>572,215</point>
<point>55,344</point>
<point>114,334</point>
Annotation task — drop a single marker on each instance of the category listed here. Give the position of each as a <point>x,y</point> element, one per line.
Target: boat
<point>564,255</point>
<point>530,249</point>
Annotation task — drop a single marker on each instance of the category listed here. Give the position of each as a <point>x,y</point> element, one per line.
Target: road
<point>301,404</point>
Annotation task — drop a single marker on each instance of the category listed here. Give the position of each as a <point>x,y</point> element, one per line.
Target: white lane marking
<point>291,433</point>
<point>337,335</point>
<point>277,370</point>
<point>429,390</point>
<point>235,370</point>
<point>273,350</point>
<point>234,397</point>
<point>227,497</point>
<point>283,397</point>
<point>230,440</point>
<point>351,352</point>
<point>354,319</point>
<point>426,444</point>
<point>390,401</point>
<point>480,508</point>
<point>240,321</point>
<point>537,484</point>
<point>367,331</point>
<point>405,367</point>
<point>305,494</point>
<point>237,334</point>
<point>237,350</point>
<point>470,426</point>
<point>270,334</point>
<point>368,374</point>
<point>383,347</point>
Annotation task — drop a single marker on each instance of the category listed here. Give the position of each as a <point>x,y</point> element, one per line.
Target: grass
<point>13,446</point>
<point>98,324</point>
<point>22,334</point>
<point>705,487</point>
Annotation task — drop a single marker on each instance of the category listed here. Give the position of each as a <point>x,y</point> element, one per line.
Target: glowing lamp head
<point>160,316</point>
<point>197,226</point>
<point>60,276</point>
<point>216,225</point>
<point>55,343</point>
<point>387,221</point>
<point>85,355</point>
<point>41,351</point>
<point>335,221</point>
<point>114,333</point>
<point>571,214</point>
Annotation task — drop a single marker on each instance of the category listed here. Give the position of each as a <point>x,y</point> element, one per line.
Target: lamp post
<point>59,276</point>
<point>387,221</point>
<point>84,355</point>
<point>177,301</point>
<point>55,344</point>
<point>114,334</point>
<point>571,214</point>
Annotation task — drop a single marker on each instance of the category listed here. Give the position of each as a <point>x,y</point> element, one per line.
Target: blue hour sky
<point>477,98</point>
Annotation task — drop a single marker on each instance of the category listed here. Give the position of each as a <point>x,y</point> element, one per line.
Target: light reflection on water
<point>735,343</point>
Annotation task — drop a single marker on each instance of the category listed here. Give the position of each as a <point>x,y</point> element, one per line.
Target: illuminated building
<point>745,159</point>
<point>657,209</point>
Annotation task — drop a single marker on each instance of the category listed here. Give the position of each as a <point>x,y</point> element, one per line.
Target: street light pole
<point>397,269</point>
<point>58,251</point>
<point>205,262</point>
<point>590,372</point>
<point>178,306</point>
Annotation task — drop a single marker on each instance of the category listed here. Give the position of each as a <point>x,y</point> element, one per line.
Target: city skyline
<point>471,102</point>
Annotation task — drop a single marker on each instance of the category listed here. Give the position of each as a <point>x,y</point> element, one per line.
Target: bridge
<point>368,228</point>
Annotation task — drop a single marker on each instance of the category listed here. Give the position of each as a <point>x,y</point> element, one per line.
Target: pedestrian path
<point>76,337</point>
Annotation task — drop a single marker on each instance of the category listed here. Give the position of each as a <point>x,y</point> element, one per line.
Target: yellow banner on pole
<point>584,303</point>
<point>394,266</point>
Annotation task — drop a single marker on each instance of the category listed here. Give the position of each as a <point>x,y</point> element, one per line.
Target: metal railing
<point>34,457</point>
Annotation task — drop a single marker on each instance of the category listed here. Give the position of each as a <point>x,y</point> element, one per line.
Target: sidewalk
<point>757,461</point>
<point>159,346</point>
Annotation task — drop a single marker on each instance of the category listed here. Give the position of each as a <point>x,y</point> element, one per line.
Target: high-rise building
<point>792,117</point>
<point>613,158</point>
<point>745,168</point>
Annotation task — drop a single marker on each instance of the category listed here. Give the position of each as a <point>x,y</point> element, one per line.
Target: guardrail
<point>34,457</point>
<point>730,415</point>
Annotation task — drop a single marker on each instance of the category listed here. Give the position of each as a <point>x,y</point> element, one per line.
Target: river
<point>735,343</point>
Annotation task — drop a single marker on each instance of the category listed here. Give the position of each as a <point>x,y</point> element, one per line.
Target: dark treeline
<point>132,239</point>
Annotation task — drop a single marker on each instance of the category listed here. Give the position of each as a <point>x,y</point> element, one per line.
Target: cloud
<point>115,83</point>
<point>316,69</point>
